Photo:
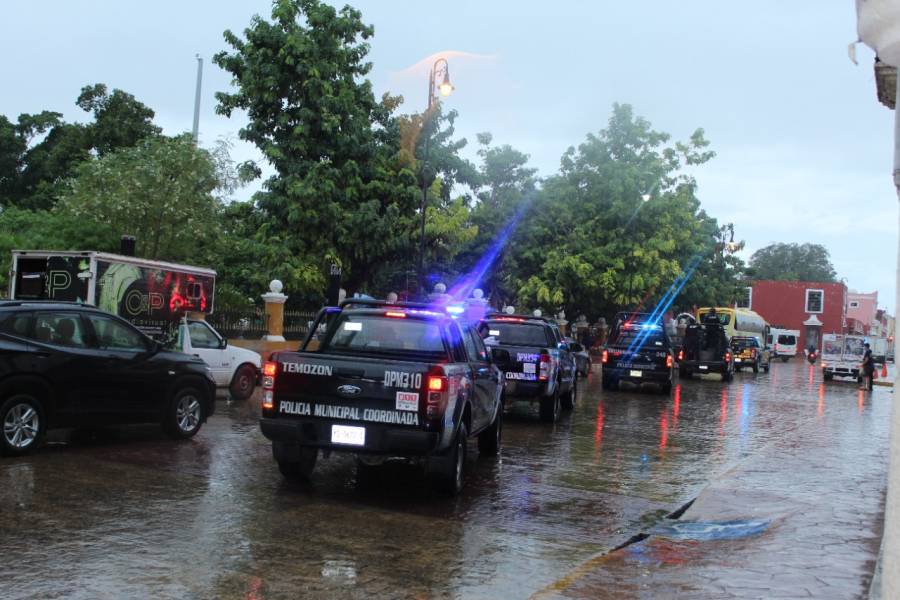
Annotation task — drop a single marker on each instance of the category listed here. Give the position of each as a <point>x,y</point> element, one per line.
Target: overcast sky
<point>803,147</point>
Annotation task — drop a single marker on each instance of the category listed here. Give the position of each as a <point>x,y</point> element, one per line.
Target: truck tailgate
<point>347,388</point>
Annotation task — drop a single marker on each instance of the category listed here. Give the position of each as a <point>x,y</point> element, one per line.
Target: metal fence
<point>245,324</point>
<point>296,324</point>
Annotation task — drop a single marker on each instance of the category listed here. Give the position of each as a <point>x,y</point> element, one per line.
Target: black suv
<point>71,365</point>
<point>638,351</point>
<point>540,368</point>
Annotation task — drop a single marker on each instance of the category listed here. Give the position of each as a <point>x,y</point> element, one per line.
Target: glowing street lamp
<point>440,68</point>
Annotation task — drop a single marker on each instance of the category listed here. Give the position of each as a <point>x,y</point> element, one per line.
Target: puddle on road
<point>707,531</point>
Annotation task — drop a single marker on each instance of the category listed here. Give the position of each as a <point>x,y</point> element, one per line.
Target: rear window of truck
<point>787,340</point>
<point>636,337</point>
<point>377,334</point>
<point>515,334</point>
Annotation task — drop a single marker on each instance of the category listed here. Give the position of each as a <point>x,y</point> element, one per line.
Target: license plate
<point>635,373</point>
<point>703,367</point>
<point>353,436</point>
<point>529,368</point>
<point>737,360</point>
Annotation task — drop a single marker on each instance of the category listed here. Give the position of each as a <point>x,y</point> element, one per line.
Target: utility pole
<point>196,131</point>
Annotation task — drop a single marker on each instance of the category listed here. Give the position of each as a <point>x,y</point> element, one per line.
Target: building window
<point>854,304</point>
<point>745,300</point>
<point>815,301</point>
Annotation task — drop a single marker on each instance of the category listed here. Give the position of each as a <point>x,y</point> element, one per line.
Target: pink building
<point>862,308</point>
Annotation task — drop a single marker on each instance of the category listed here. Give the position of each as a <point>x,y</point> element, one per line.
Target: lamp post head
<point>446,88</point>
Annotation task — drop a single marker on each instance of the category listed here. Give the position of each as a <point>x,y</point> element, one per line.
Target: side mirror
<point>223,343</point>
<point>499,355</point>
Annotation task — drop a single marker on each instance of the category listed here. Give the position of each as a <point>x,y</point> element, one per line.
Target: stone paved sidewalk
<point>818,496</point>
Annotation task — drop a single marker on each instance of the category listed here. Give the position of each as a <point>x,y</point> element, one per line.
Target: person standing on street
<point>868,367</point>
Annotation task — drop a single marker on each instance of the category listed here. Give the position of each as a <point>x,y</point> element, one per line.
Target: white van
<point>783,343</point>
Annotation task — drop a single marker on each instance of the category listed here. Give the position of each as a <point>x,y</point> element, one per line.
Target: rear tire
<point>299,470</point>
<point>756,368</point>
<point>666,388</point>
<point>608,382</point>
<point>185,413</point>
<point>784,358</point>
<point>550,407</point>
<point>243,383</point>
<point>683,372</point>
<point>24,423</point>
<point>489,439</point>
<point>449,477</point>
<point>827,376</point>
<point>727,376</point>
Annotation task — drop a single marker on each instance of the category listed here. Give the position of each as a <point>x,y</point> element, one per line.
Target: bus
<point>739,322</point>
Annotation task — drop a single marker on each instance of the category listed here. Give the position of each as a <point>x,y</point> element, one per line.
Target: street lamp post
<point>440,68</point>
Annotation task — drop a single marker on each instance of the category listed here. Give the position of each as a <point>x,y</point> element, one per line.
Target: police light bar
<point>509,319</point>
<point>455,310</point>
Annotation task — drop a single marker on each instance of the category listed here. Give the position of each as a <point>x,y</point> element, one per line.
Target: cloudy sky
<point>803,147</point>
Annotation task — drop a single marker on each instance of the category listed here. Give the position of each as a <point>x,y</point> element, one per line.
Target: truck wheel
<point>784,358</point>
<point>549,409</point>
<point>243,383</point>
<point>766,367</point>
<point>24,423</point>
<point>299,470</point>
<point>568,402</point>
<point>450,471</point>
<point>827,376</point>
<point>727,376</point>
<point>489,439</point>
<point>666,388</point>
<point>683,372</point>
<point>607,382</point>
<point>184,415</point>
<point>755,368</point>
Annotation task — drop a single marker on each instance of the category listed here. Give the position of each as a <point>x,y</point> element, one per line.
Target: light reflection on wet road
<point>130,513</point>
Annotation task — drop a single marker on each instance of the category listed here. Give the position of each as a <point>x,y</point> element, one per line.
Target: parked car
<point>540,367</point>
<point>70,365</point>
<point>581,355</point>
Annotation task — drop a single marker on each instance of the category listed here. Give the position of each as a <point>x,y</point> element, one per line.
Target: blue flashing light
<point>455,310</point>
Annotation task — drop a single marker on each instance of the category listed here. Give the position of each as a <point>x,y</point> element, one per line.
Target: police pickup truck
<point>383,381</point>
<point>540,366</point>
<point>706,349</point>
<point>638,351</point>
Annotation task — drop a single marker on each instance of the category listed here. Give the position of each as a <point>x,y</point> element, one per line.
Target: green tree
<point>343,191</point>
<point>32,173</point>
<point>592,244</point>
<point>792,262</point>
<point>162,191</point>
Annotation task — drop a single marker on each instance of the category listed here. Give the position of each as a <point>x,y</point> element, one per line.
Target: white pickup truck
<point>842,356</point>
<point>235,369</point>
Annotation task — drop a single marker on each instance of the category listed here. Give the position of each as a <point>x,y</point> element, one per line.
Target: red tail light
<point>437,383</point>
<point>436,395</point>
<point>545,367</point>
<point>680,355</point>
<point>669,361</point>
<point>395,314</point>
<point>605,357</point>
<point>753,353</point>
<point>268,383</point>
<point>728,357</point>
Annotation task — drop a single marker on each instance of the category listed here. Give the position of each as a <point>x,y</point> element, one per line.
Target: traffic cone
<point>884,369</point>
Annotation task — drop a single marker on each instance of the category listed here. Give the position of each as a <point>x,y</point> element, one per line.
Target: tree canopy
<point>792,262</point>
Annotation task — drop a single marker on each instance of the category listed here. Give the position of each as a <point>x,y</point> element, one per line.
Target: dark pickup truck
<point>706,349</point>
<point>540,367</point>
<point>638,351</point>
<point>384,381</point>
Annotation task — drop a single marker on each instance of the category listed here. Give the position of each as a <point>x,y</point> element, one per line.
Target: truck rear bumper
<point>379,439</point>
<point>646,375</point>
<point>704,367</point>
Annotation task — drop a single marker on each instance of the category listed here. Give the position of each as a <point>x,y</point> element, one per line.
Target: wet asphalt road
<point>129,513</point>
